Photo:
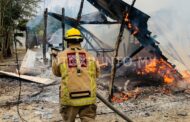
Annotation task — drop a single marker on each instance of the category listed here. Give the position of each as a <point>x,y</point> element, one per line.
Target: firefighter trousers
<point>86,113</point>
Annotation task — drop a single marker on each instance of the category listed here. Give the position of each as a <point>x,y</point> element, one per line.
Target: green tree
<point>13,15</point>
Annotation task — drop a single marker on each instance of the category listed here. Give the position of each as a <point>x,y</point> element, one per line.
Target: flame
<point>186,75</point>
<point>124,96</point>
<point>168,79</point>
<point>127,18</point>
<point>166,90</point>
<point>134,29</point>
<point>160,67</point>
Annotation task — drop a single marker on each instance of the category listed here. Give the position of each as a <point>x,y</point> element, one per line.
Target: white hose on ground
<point>121,114</point>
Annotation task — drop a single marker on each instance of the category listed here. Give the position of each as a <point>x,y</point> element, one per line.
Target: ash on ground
<point>40,103</point>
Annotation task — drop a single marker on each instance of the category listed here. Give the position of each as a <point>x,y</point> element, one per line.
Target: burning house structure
<point>146,80</point>
<point>136,55</point>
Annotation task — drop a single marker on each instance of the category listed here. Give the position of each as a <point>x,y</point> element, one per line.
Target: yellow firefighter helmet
<point>73,35</point>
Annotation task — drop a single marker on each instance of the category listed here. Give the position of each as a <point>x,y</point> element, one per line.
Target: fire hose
<point>113,108</point>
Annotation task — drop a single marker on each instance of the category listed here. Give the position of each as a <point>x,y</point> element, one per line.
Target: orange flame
<point>160,67</point>
<point>127,18</point>
<point>130,26</point>
<point>124,96</point>
<point>136,30</point>
<point>186,75</point>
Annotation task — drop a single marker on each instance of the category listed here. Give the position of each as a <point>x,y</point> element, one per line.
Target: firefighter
<point>78,70</point>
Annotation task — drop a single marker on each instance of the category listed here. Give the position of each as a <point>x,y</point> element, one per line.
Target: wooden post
<point>80,10</point>
<point>63,29</point>
<point>45,35</point>
<point>117,45</point>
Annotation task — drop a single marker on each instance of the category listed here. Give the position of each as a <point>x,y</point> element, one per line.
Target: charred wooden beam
<point>45,34</point>
<point>115,9</point>
<point>113,108</point>
<point>117,44</point>
<point>130,8</point>
<point>96,22</point>
<point>74,22</point>
<point>119,39</point>
<point>80,10</point>
<point>63,28</point>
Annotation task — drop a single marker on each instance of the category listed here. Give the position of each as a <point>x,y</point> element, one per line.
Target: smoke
<point>71,7</point>
<point>169,21</point>
<point>171,25</point>
<point>35,21</point>
<point>71,10</point>
<point>56,37</point>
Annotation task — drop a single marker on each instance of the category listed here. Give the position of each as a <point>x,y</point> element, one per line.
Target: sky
<point>147,6</point>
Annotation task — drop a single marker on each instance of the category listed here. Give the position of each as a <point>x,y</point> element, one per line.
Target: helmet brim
<point>74,40</point>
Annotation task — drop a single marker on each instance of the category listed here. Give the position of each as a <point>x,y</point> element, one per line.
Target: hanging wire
<point>20,82</point>
<point>18,71</point>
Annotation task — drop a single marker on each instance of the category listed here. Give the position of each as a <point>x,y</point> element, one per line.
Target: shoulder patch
<point>71,57</point>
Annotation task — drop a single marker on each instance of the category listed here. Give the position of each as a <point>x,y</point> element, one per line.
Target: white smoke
<point>172,26</point>
<point>71,7</point>
<point>35,21</point>
<point>169,21</point>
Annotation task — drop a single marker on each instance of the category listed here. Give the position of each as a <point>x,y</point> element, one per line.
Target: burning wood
<point>124,96</point>
<point>166,90</point>
<point>153,72</point>
<point>134,29</point>
<point>161,68</point>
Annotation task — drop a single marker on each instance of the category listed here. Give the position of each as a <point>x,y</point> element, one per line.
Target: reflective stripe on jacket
<point>78,85</point>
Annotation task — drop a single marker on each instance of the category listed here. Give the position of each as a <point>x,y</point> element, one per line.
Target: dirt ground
<point>40,103</point>
<point>9,64</point>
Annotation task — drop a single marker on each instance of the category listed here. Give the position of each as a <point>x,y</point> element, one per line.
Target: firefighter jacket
<point>78,70</point>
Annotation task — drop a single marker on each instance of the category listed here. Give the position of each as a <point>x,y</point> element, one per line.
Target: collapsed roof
<point>114,9</point>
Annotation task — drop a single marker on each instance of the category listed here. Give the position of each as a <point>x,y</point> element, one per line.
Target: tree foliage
<point>13,15</point>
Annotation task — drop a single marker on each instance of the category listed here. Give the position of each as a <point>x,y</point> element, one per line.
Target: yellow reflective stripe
<point>91,67</point>
<point>92,77</point>
<point>78,59</point>
<point>79,102</point>
<point>63,70</point>
<point>64,89</point>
